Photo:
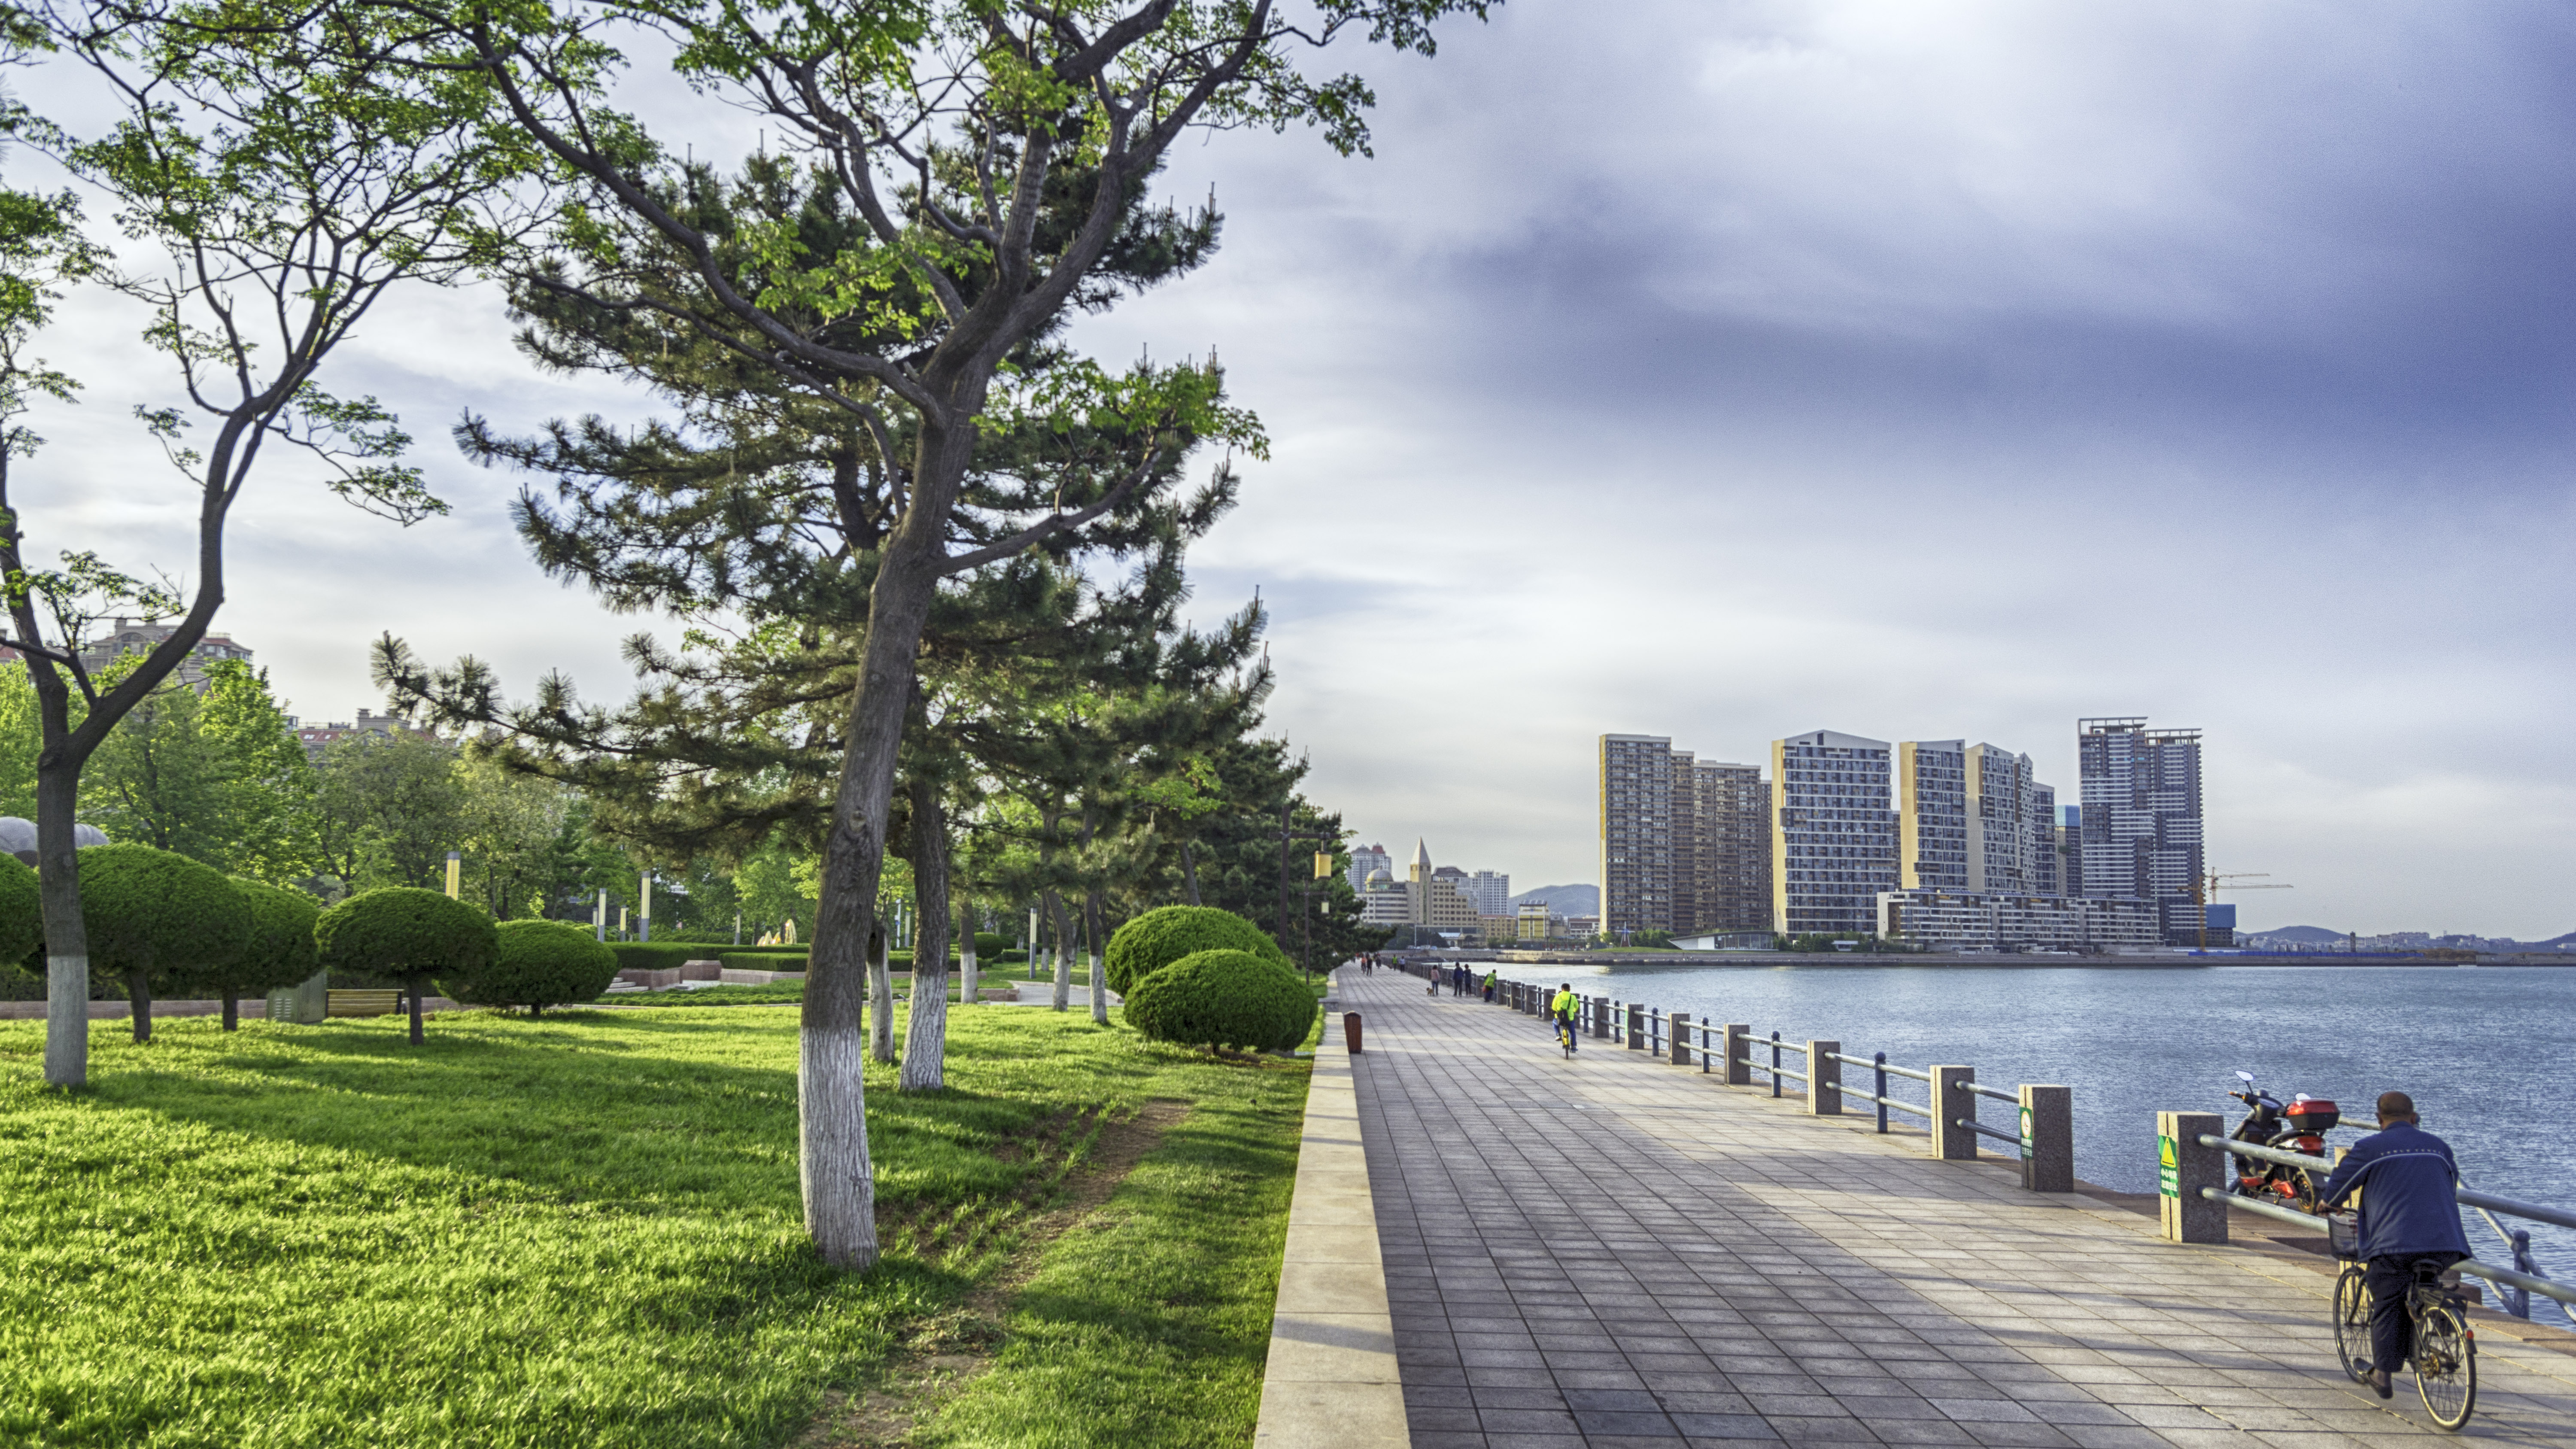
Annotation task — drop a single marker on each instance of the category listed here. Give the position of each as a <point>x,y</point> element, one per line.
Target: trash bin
<point>1351,1031</point>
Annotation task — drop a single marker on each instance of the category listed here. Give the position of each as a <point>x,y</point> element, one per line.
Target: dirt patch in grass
<point>945,1352</point>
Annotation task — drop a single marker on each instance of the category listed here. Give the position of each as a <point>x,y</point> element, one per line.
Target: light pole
<point>599,916</point>
<point>644,917</point>
<point>455,872</point>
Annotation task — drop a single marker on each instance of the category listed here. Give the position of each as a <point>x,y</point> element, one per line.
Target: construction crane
<point>2203,887</point>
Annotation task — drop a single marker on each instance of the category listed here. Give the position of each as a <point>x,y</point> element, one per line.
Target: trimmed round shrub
<point>538,964</point>
<point>1223,998</point>
<point>155,918</point>
<point>410,933</point>
<point>1165,934</point>
<point>278,952</point>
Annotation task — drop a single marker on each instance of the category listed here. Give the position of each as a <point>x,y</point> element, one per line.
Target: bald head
<point>2395,1107</point>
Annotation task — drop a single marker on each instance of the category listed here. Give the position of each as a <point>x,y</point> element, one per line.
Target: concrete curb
<point>1331,1380</point>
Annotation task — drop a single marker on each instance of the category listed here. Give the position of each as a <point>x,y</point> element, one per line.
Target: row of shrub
<point>1204,977</point>
<point>160,923</point>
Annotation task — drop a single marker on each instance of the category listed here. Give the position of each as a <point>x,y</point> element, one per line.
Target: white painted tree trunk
<point>969,982</point>
<point>1063,977</point>
<point>881,1000</point>
<point>832,1137</point>
<point>1099,989</point>
<point>925,1035</point>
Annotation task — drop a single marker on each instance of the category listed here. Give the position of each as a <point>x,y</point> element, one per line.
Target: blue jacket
<point>2409,1207</point>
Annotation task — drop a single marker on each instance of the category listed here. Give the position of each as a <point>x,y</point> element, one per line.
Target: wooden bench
<point>363,1003</point>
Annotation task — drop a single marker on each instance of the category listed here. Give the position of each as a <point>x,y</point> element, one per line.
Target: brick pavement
<point>1615,1251</point>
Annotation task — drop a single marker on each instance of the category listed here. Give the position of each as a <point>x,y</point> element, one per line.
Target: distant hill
<point>2554,942</point>
<point>2312,934</point>
<point>1565,900</point>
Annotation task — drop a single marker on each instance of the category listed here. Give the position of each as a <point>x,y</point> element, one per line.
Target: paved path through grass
<point>1617,1251</point>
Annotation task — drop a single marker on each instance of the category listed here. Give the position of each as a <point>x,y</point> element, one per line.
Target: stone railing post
<point>2047,1139</point>
<point>1636,1027</point>
<point>1600,1013</point>
<point>1737,1073</point>
<point>1824,1079</point>
<point>1952,1103</point>
<point>2183,1168</point>
<point>1681,1038</point>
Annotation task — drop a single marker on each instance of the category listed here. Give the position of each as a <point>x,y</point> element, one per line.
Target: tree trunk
<point>925,1038</point>
<point>1190,871</point>
<point>1063,951</point>
<point>1091,951</point>
<point>831,1088</point>
<point>138,996</point>
<point>970,982</point>
<point>66,934</point>
<point>419,989</point>
<point>232,1009</point>
<point>881,991</point>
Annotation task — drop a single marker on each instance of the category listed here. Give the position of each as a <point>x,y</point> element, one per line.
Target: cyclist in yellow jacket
<point>1563,1008</point>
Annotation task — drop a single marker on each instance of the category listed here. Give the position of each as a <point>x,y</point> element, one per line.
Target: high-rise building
<point>1932,814</point>
<point>1731,841</point>
<point>2142,827</point>
<point>2070,850</point>
<point>1685,833</point>
<point>1998,820</point>
<point>1366,861</point>
<point>1437,901</point>
<point>2045,877</point>
<point>1492,892</point>
<point>1833,836</point>
<point>1636,834</point>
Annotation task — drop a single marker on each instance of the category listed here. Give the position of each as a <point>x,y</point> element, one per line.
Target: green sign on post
<point>2025,1135</point>
<point>2168,1170</point>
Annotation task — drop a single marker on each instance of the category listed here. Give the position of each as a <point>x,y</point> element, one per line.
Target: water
<point>2488,1053</point>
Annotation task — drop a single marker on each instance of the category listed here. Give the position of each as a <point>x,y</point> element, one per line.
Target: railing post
<point>2517,1301</point>
<point>1636,1027</point>
<point>2047,1139</point>
<point>1951,1103</point>
<point>1681,1038</point>
<point>2183,1168</point>
<point>1824,1079</point>
<point>1880,1060</point>
<point>1600,1017</point>
<point>1737,1073</point>
<point>1775,1062</point>
<point>1704,1052</point>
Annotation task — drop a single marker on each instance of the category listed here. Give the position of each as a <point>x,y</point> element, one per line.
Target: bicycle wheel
<point>2352,1323</point>
<point>2446,1366</point>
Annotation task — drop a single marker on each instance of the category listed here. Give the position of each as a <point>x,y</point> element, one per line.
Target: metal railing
<point>2518,1283</point>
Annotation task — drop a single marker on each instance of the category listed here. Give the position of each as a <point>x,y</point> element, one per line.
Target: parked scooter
<point>2299,1126</point>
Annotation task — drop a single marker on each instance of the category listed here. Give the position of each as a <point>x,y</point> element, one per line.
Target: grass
<point>583,1230</point>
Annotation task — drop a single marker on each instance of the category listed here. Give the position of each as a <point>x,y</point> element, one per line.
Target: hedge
<point>278,953</point>
<point>1163,936</point>
<point>760,961</point>
<point>658,955</point>
<point>22,911</point>
<point>538,964</point>
<point>1223,998</point>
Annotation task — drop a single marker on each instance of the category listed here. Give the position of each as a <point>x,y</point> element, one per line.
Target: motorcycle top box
<point>2315,1115</point>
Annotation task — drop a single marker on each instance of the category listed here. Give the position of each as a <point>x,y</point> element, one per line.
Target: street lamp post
<point>1285,836</point>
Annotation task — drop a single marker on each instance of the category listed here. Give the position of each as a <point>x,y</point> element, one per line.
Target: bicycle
<point>1565,1035</point>
<point>2445,1357</point>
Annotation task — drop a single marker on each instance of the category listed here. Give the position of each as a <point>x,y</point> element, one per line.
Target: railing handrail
<point>2514,1207</point>
<point>2545,1287</point>
<point>1891,1068</point>
<point>2281,1155</point>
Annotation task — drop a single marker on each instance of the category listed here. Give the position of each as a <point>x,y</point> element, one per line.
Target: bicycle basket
<point>2343,1235</point>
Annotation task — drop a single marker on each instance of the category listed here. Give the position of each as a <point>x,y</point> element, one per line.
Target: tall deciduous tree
<point>289,178</point>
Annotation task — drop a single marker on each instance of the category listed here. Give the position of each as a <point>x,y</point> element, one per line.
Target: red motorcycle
<point>2298,1126</point>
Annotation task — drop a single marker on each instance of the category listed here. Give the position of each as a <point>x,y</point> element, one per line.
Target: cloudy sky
<point>1915,371</point>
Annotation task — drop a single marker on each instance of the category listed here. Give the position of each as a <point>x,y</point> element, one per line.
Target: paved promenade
<point>1617,1251</point>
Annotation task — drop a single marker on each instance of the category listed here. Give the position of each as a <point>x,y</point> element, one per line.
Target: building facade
<point>1932,814</point>
<point>1492,892</point>
<point>1731,847</point>
<point>1366,862</point>
<point>1532,921</point>
<point>1998,820</point>
<point>139,636</point>
<point>1636,834</point>
<point>2142,823</point>
<point>1999,921</point>
<point>2041,850</point>
<point>1436,900</point>
<point>1833,836</point>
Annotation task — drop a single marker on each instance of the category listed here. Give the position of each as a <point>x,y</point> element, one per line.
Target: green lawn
<point>583,1230</point>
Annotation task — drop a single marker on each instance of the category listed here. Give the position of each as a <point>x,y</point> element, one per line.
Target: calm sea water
<point>2488,1053</point>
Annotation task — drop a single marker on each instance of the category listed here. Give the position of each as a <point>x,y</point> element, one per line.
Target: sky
<point>1730,370</point>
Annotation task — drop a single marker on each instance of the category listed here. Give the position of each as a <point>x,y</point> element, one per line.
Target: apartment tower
<point>1731,848</point>
<point>1834,832</point>
<point>2141,818</point>
<point>1636,833</point>
<point>1932,814</point>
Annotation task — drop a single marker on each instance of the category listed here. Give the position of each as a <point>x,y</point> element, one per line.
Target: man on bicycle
<point>1563,1008</point>
<point>2409,1216</point>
